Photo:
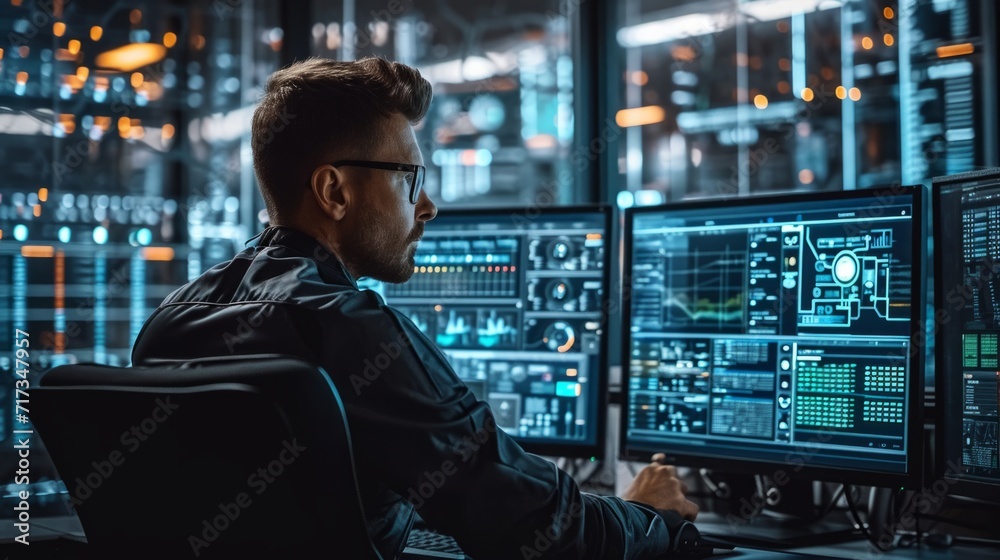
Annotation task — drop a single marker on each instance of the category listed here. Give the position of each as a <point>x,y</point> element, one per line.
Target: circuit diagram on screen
<point>845,277</point>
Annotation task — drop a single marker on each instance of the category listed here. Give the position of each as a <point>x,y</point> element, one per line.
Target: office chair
<point>210,458</point>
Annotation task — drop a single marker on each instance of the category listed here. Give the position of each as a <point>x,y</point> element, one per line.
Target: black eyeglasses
<point>416,172</point>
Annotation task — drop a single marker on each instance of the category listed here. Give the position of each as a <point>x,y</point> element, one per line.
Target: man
<point>340,172</point>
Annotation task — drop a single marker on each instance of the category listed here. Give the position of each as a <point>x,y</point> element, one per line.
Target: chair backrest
<point>215,458</point>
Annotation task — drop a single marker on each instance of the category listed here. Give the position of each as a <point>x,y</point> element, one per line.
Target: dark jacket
<point>421,439</point>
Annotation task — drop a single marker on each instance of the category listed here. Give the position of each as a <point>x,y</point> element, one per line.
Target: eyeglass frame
<point>416,183</point>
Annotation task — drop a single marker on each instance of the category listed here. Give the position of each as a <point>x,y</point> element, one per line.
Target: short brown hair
<point>313,108</point>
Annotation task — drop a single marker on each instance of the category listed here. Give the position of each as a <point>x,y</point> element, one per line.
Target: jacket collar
<point>303,244</point>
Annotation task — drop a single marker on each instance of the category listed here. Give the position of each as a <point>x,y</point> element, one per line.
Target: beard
<point>376,248</point>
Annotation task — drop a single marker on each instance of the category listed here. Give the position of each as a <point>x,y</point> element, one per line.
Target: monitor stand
<point>735,512</point>
<point>771,531</point>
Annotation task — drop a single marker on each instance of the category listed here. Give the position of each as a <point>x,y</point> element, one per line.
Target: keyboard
<point>424,543</point>
<point>429,544</point>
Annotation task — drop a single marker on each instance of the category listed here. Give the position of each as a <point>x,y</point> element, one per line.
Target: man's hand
<point>657,485</point>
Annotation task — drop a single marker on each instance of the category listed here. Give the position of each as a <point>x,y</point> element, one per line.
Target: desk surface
<point>855,547</point>
<point>852,546</point>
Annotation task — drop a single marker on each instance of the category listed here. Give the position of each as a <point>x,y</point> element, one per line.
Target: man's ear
<point>330,191</point>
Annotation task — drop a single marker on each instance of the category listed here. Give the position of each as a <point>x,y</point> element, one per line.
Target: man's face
<point>381,237</point>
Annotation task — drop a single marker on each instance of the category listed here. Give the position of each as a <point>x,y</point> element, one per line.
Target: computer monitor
<point>777,335</point>
<point>967,321</point>
<point>515,298</point>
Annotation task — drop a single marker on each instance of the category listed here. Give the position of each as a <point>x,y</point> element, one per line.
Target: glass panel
<point>235,46</point>
<point>948,94</point>
<point>737,97</point>
<point>123,136</point>
<point>500,128</point>
<point>127,162</point>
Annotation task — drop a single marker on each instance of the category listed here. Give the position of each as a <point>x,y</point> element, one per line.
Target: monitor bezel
<point>910,479</point>
<point>945,391</point>
<point>541,211</point>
